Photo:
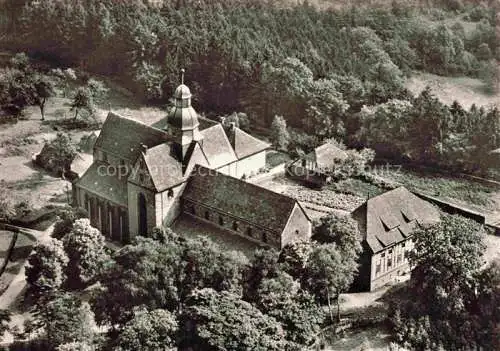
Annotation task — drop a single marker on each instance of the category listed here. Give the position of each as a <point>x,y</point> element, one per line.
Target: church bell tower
<point>182,121</point>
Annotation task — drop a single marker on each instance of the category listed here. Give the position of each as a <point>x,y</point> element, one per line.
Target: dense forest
<point>315,68</point>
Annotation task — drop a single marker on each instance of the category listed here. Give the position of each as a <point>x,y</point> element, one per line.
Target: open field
<point>20,141</point>
<point>459,190</point>
<point>465,90</point>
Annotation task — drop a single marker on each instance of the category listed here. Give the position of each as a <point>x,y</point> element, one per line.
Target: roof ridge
<point>250,185</point>
<point>135,121</point>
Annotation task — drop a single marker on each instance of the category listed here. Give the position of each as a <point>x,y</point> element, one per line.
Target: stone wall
<point>297,229</point>
<point>236,225</point>
<point>133,208</point>
<point>168,205</point>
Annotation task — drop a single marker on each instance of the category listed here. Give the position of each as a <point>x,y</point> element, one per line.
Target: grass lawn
<point>356,187</point>
<point>465,90</point>
<point>465,191</point>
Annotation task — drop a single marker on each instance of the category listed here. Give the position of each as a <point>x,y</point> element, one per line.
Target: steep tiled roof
<point>164,168</point>
<point>244,144</point>
<point>195,156</point>
<point>391,217</point>
<point>216,146</point>
<point>104,185</point>
<point>122,136</point>
<point>239,198</point>
<point>325,155</point>
<point>206,122</point>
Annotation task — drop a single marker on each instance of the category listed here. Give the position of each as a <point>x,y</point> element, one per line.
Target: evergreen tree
<point>279,133</point>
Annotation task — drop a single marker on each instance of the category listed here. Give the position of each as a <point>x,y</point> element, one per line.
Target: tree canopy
<point>450,290</point>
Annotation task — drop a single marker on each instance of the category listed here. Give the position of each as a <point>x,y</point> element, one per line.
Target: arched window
<point>221,221</point>
<point>207,215</point>
<point>170,193</point>
<point>264,237</point>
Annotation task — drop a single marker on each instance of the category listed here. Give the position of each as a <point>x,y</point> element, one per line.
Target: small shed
<point>314,168</point>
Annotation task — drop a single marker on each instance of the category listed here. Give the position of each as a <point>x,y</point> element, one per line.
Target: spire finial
<point>182,75</point>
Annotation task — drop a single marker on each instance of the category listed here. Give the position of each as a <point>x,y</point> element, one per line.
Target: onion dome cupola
<point>183,119</point>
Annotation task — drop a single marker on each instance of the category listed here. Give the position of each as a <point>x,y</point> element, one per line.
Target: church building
<point>139,174</point>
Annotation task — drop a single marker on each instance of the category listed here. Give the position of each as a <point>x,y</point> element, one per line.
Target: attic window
<point>405,217</point>
<point>170,193</point>
<point>235,225</point>
<point>389,221</point>
<point>408,214</point>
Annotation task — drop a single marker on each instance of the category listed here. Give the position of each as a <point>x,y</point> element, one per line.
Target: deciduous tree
<point>46,268</point>
<point>149,331</point>
<point>329,272</point>
<point>221,320</point>
<point>63,319</point>
<point>282,298</point>
<point>43,88</point>
<point>86,250</point>
<point>448,288</point>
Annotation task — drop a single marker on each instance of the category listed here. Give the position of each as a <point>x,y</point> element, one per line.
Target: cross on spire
<point>182,75</point>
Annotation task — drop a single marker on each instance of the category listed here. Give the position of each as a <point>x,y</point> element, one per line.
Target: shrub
<point>57,155</point>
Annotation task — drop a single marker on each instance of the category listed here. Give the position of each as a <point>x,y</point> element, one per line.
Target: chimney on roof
<point>144,148</point>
